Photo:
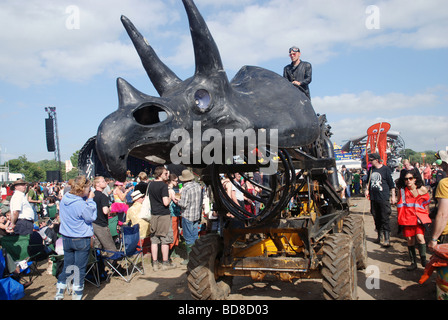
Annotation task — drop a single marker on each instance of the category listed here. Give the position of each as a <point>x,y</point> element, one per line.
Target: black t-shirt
<point>101,201</point>
<point>158,190</point>
<point>381,183</point>
<point>141,186</point>
<point>440,174</point>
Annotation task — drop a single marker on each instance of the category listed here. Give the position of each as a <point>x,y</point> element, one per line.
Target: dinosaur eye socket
<point>149,115</point>
<point>202,99</point>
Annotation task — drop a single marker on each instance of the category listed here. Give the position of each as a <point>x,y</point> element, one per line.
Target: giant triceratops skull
<point>256,98</point>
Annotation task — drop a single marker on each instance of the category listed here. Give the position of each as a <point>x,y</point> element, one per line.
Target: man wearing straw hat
<point>190,205</point>
<point>22,214</point>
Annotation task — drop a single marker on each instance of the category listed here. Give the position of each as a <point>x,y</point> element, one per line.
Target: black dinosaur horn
<point>127,94</point>
<point>208,59</point>
<point>161,76</point>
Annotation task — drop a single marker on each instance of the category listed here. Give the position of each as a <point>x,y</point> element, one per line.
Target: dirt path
<point>385,279</point>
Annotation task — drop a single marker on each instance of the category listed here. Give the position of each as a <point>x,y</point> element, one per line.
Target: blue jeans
<point>348,191</point>
<point>76,257</point>
<point>190,230</point>
<point>357,187</point>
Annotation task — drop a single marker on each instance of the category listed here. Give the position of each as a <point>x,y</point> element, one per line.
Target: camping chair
<point>93,270</point>
<point>37,251</point>
<point>16,246</point>
<point>129,254</point>
<point>10,289</point>
<point>16,253</point>
<point>52,211</point>
<point>113,227</point>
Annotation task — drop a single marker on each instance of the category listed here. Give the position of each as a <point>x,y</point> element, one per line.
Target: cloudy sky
<point>372,61</point>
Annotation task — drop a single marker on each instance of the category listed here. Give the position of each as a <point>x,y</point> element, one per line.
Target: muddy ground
<point>385,279</point>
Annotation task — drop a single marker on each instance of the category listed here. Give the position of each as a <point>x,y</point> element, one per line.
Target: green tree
<point>38,171</point>
<point>74,159</point>
<point>74,172</point>
<point>414,156</point>
<point>31,170</point>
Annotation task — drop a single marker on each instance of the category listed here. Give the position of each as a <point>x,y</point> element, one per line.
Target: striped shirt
<point>190,202</point>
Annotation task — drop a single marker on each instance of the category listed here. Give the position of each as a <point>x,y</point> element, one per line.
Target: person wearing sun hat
<point>190,204</point>
<point>440,223</point>
<point>133,214</point>
<point>22,214</point>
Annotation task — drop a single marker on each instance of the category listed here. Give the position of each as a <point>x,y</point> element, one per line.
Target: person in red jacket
<point>413,214</point>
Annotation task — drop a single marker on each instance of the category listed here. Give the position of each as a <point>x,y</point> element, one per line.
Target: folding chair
<point>16,246</point>
<point>93,274</point>
<point>113,227</point>
<point>16,253</point>
<point>93,270</point>
<point>10,289</point>
<point>129,254</point>
<point>37,251</point>
<point>52,211</point>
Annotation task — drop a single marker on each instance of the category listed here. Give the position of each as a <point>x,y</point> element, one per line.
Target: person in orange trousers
<point>175,213</point>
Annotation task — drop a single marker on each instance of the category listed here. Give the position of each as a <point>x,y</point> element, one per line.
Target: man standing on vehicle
<point>298,72</point>
<point>379,190</point>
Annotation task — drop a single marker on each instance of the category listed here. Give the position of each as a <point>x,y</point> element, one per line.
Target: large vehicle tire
<point>339,277</point>
<point>354,227</point>
<point>202,281</point>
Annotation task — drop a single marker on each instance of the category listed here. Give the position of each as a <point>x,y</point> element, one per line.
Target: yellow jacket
<point>133,216</point>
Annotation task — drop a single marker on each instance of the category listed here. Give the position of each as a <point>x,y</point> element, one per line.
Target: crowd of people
<point>179,205</point>
<point>84,208</point>
<point>412,193</point>
<point>354,181</point>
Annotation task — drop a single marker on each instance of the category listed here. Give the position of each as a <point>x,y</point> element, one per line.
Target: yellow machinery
<point>318,238</point>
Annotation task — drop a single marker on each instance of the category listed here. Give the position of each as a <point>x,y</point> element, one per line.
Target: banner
<point>68,166</point>
<point>377,140</point>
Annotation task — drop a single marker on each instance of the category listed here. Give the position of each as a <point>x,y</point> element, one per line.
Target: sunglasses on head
<point>293,50</point>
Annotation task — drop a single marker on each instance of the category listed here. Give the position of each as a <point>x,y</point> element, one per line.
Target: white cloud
<point>420,133</point>
<point>417,117</point>
<point>368,103</point>
<point>37,45</point>
<point>262,31</point>
<point>416,131</point>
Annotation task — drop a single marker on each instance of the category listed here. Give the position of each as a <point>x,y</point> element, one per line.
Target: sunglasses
<point>410,179</point>
<point>293,50</point>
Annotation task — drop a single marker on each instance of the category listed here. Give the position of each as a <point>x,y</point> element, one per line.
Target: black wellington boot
<point>422,251</point>
<point>386,243</point>
<point>380,238</point>
<point>413,256</point>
